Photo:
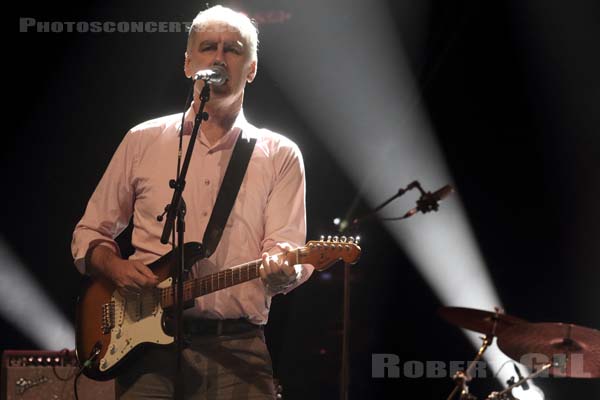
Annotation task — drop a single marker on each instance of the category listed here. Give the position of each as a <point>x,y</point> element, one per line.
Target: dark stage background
<point>512,98</point>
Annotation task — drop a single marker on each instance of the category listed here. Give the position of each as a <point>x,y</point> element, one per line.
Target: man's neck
<point>220,121</point>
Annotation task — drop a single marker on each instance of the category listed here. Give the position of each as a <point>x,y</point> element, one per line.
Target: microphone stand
<point>177,210</point>
<point>345,369</point>
<point>401,192</point>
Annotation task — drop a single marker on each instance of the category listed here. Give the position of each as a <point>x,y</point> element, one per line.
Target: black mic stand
<point>413,185</point>
<point>345,370</point>
<point>177,210</point>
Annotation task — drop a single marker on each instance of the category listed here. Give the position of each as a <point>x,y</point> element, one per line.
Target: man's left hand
<point>275,271</point>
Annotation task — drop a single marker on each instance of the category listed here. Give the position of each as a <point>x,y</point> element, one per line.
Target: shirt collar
<point>227,141</point>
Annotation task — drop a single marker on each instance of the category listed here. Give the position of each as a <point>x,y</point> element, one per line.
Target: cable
<point>502,366</point>
<point>87,363</point>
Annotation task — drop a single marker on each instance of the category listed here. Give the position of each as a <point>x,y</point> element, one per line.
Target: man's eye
<point>235,50</point>
<point>207,48</point>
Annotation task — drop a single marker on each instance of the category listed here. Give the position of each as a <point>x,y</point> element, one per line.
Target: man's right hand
<point>129,276</point>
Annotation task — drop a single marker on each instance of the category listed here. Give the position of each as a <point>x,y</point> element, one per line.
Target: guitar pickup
<point>108,317</point>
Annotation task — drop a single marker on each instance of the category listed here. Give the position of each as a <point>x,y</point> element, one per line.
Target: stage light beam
<point>24,304</point>
<point>353,86</point>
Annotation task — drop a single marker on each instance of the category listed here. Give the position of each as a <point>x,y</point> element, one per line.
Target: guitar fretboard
<point>213,282</point>
<point>320,254</point>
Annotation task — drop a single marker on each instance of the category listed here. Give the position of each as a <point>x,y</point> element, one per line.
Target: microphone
<point>216,75</point>
<point>518,371</point>
<point>430,201</point>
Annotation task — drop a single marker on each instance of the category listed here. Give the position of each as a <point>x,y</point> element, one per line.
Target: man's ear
<point>187,66</point>
<point>252,73</point>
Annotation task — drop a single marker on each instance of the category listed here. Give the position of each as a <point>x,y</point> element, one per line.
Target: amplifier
<point>37,375</point>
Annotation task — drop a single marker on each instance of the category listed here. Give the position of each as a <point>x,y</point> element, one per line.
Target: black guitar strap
<point>227,193</point>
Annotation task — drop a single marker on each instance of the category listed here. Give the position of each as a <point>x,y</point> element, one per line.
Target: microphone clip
<point>427,202</point>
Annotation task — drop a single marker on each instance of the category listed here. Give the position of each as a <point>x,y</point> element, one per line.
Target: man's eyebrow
<point>237,43</point>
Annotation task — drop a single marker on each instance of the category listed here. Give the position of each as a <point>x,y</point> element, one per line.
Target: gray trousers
<point>232,367</point>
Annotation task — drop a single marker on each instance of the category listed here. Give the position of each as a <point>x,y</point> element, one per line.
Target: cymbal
<point>479,320</point>
<point>545,342</point>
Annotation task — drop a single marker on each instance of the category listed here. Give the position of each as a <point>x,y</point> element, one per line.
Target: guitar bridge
<point>108,317</point>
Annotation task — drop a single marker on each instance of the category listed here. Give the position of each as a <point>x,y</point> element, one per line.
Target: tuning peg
<point>335,239</point>
<point>343,239</point>
<point>351,239</point>
<point>357,240</point>
<point>329,238</point>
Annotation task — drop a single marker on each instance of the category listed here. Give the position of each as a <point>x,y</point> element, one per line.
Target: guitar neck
<point>320,254</point>
<point>220,280</point>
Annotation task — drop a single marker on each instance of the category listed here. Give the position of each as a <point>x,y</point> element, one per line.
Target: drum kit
<point>566,350</point>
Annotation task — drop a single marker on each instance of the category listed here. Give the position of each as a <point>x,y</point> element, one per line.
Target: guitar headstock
<point>323,253</point>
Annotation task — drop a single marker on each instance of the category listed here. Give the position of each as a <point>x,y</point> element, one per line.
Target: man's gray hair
<point>238,21</point>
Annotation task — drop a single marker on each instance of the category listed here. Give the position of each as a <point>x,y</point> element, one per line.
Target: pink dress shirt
<point>269,209</point>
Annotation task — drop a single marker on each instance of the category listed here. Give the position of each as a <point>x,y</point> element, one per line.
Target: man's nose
<point>219,56</point>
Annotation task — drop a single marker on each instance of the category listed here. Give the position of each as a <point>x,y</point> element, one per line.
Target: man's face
<point>221,44</point>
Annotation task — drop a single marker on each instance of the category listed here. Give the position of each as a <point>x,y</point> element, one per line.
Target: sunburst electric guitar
<point>111,327</point>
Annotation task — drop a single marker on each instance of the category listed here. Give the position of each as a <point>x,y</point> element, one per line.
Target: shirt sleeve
<point>110,207</point>
<point>285,213</point>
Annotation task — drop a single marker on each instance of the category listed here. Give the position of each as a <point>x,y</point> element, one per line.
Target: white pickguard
<point>138,319</point>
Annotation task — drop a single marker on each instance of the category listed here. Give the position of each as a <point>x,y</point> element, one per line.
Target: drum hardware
<point>480,321</point>
<point>506,394</point>
<point>568,350</point>
<point>574,350</point>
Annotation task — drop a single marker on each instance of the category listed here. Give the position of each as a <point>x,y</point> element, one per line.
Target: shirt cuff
<point>82,264</point>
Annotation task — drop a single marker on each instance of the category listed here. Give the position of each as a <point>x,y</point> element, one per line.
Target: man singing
<point>227,357</point>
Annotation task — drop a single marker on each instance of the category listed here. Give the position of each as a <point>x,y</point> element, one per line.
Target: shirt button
<point>207,182</point>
